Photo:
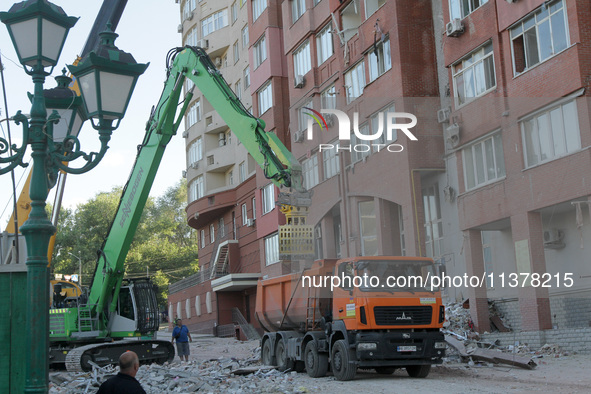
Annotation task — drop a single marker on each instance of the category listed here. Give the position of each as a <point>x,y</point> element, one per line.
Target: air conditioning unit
<point>553,239</point>
<point>512,1</point>
<point>452,134</point>
<point>184,173</point>
<point>203,43</point>
<point>250,222</point>
<point>299,81</point>
<point>195,165</point>
<point>299,136</point>
<point>329,119</point>
<point>454,28</point>
<point>190,16</point>
<point>218,61</point>
<point>179,29</point>
<point>443,115</point>
<point>185,134</point>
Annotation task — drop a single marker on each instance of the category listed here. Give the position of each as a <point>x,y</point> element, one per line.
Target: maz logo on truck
<point>403,317</point>
<point>387,124</point>
<point>127,206</point>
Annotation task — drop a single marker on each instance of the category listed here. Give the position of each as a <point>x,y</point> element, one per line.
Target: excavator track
<point>148,351</point>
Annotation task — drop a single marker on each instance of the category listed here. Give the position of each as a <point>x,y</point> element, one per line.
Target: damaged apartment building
<point>495,186</point>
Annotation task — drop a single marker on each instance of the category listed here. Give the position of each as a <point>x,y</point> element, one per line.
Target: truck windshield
<point>396,275</point>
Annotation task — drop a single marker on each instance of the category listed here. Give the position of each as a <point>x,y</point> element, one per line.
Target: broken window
<point>372,6</point>
<point>351,19</point>
<point>433,221</point>
<point>475,74</point>
<point>380,60</point>
<point>539,36</point>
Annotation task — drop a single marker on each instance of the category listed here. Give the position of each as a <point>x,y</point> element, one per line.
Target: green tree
<point>164,246</point>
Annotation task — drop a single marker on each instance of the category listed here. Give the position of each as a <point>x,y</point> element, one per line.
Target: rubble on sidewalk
<point>222,375</point>
<point>465,343</point>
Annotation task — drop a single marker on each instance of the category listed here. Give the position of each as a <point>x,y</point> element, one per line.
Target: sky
<point>147,30</point>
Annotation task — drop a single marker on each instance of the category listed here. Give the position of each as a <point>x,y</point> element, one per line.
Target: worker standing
<point>183,336</point>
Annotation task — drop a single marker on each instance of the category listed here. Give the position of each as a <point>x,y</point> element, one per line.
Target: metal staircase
<point>222,257</point>
<point>247,328</point>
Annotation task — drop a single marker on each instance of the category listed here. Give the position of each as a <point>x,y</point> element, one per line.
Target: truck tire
<point>316,363</point>
<point>283,363</point>
<point>342,369</point>
<point>266,355</point>
<point>385,370</point>
<point>418,371</point>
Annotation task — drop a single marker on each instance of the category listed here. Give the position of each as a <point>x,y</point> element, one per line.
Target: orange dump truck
<point>365,312</point>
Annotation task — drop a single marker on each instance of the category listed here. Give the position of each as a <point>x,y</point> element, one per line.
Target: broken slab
<point>489,355</point>
<point>250,370</point>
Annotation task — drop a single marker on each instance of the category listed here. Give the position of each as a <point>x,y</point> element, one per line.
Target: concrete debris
<point>222,375</point>
<point>471,354</point>
<point>551,350</point>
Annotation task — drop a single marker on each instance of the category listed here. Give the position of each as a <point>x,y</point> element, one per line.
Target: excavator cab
<point>137,309</point>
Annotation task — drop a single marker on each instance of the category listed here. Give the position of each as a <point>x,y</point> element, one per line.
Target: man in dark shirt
<point>124,382</point>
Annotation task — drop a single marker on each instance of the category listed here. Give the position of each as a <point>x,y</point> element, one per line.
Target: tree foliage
<point>164,246</point>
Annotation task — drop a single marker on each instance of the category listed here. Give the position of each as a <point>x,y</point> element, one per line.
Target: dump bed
<point>284,304</point>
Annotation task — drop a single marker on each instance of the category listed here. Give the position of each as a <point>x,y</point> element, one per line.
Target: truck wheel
<point>266,355</point>
<point>316,364</point>
<point>341,357</point>
<point>418,371</point>
<point>283,363</point>
<point>385,370</point>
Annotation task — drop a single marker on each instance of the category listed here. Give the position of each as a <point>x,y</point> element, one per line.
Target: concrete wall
<point>571,340</point>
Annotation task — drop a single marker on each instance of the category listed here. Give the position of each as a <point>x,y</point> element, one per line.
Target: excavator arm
<point>266,148</point>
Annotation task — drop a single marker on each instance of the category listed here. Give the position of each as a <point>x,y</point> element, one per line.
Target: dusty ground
<point>566,374</point>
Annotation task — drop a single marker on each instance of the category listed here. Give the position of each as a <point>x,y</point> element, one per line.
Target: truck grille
<point>402,315</point>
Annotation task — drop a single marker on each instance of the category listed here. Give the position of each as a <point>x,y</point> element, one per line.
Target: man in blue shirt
<point>183,336</point>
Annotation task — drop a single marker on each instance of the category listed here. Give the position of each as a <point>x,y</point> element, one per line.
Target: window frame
<point>264,94</point>
<point>323,38</point>
<point>367,15</point>
<point>196,151</point>
<point>302,59</point>
<point>331,161</point>
<point>546,111</point>
<point>272,241</point>
<point>430,221</point>
<point>244,34</point>
<point>244,214</point>
<point>471,68</point>
<point>267,198</point>
<point>213,20</point>
<point>298,9</point>
<point>310,171</point>
<point>521,25</point>
<point>386,66</point>
<point>260,51</point>
<point>258,7</point>
<point>356,70</point>
<point>483,161</point>
<point>461,10</point>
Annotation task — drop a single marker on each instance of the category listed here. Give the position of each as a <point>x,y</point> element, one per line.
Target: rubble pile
<point>551,350</point>
<point>458,319</point>
<point>222,375</point>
